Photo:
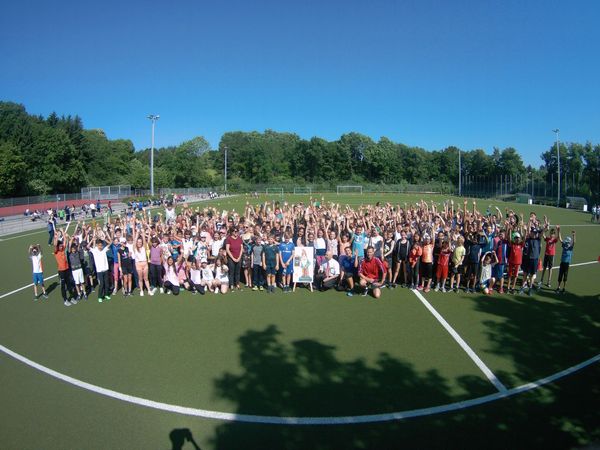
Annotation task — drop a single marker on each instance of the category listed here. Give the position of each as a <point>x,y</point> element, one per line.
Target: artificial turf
<point>298,354</point>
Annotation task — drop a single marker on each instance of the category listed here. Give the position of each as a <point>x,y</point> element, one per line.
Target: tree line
<point>41,155</point>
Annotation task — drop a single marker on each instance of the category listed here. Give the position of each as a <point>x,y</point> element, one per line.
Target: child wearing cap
<point>565,260</point>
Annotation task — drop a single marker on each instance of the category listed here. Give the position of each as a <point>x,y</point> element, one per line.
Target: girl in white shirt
<point>171,280</point>
<point>221,277</point>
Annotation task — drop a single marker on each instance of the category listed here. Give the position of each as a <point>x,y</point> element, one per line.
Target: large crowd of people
<point>424,246</point>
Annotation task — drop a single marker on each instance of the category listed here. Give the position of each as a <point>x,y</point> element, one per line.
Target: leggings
<point>563,272</point>
<point>65,287</point>
<point>156,275</point>
<point>234,272</point>
<point>171,287</point>
<point>103,284</point>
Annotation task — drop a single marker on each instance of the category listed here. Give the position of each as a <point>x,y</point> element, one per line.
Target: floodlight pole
<point>225,148</point>
<point>153,118</point>
<point>459,174</point>
<point>558,166</point>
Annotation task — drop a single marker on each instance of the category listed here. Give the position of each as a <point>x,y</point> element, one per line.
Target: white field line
<point>468,350</point>
<point>25,287</point>
<point>278,420</point>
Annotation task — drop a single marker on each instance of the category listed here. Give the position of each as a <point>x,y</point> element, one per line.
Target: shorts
<point>126,266</point>
<point>472,269</point>
<point>388,263</point>
<point>532,266</point>
<point>77,275</point>
<point>38,278</point>
<point>348,275</point>
<point>270,270</point>
<point>498,271</point>
<point>441,271</point>
<point>457,269</point>
<point>548,261</point>
<point>513,270</point>
<point>426,269</point>
<point>484,283</point>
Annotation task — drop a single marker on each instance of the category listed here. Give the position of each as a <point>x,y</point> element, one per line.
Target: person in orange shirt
<point>414,260</point>
<point>64,274</point>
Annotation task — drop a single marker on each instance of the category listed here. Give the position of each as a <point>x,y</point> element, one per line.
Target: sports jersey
<point>372,268</point>
<point>550,246</point>
<point>516,253</point>
<point>444,257</point>
<point>567,252</point>
<point>270,252</point>
<point>501,249</point>
<point>347,264</point>
<point>286,249</point>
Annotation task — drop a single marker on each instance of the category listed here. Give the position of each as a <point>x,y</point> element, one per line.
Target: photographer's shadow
<point>179,437</point>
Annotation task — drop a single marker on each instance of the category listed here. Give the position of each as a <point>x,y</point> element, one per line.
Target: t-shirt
<point>195,275</point>
<point>567,252</point>
<point>358,243</point>
<point>535,248</point>
<point>501,249</point>
<point>444,257</point>
<point>372,268</point>
<point>257,251</point>
<point>516,253</point>
<point>36,262</point>
<point>61,260</point>
<point>550,246</point>
<point>486,272</point>
<point>347,264</point>
<point>474,251</point>
<point>458,255</point>
<point>270,252</point>
<point>100,259</point>
<point>377,243</point>
<point>74,260</point>
<point>286,249</point>
<point>235,246</point>
<point>216,246</point>
<point>207,273</point>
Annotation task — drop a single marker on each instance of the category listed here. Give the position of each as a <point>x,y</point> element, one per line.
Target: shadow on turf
<point>51,287</point>
<point>306,379</point>
<point>180,437</point>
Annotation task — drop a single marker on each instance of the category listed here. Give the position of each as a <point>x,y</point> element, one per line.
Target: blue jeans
<point>258,275</point>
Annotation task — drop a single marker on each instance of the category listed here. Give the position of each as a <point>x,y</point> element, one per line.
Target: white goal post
<point>349,189</point>
<point>302,190</point>
<point>275,191</point>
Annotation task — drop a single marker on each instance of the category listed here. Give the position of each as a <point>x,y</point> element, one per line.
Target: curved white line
<point>276,420</point>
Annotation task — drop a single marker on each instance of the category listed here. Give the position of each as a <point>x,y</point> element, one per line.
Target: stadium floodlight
<point>557,131</point>
<point>153,118</point>
<point>341,189</point>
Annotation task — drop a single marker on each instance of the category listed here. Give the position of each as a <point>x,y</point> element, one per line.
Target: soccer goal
<point>275,191</point>
<point>302,190</point>
<point>349,189</point>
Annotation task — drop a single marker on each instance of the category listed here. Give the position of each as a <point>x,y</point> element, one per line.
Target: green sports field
<point>120,374</point>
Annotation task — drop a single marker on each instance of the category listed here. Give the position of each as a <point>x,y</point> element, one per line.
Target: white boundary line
<point>277,420</point>
<point>485,369</point>
<point>25,287</point>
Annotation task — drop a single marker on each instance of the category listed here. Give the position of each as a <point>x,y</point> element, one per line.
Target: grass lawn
<point>301,354</point>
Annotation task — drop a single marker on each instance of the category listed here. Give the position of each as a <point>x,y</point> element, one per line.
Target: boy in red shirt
<point>514,260</point>
<point>549,255</point>
<point>442,266</point>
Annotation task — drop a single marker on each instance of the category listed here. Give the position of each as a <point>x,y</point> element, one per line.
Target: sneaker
<point>115,290</point>
<point>67,303</point>
<point>419,288</point>
<point>45,296</point>
<point>456,290</point>
<point>522,291</point>
<point>107,297</point>
<point>151,292</point>
<point>500,291</point>
<point>73,301</point>
<point>437,288</point>
<point>141,293</point>
<point>168,292</point>
<point>365,293</point>
<point>349,294</point>
<point>35,298</point>
<point>99,300</point>
<point>444,289</point>
<point>162,291</point>
<point>548,285</point>
<point>154,290</point>
<point>260,288</point>
<point>255,288</point>
<point>557,290</point>
<point>427,289</point>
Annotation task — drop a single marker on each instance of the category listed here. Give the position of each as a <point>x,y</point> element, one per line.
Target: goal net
<point>349,189</point>
<point>275,191</point>
<point>302,190</point>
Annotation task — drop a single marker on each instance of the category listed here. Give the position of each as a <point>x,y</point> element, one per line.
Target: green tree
<point>13,170</point>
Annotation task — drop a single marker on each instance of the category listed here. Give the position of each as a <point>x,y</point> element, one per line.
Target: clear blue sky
<point>475,74</point>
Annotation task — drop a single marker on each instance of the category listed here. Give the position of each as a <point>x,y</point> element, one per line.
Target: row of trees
<point>56,154</point>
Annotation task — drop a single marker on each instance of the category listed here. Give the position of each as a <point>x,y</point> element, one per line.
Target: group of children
<point>375,246</point>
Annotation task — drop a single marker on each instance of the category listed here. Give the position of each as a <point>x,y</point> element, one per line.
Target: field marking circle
<point>276,420</point>
<point>307,420</point>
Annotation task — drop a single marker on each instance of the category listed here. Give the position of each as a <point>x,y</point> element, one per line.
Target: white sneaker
<point>162,291</point>
<point>67,303</point>
<point>115,290</point>
<point>151,292</point>
<point>142,293</point>
<point>444,289</point>
<point>154,290</point>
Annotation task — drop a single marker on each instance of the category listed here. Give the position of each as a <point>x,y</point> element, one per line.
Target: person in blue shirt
<point>286,260</point>
<point>348,266</point>
<point>565,260</point>
<point>359,238</point>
